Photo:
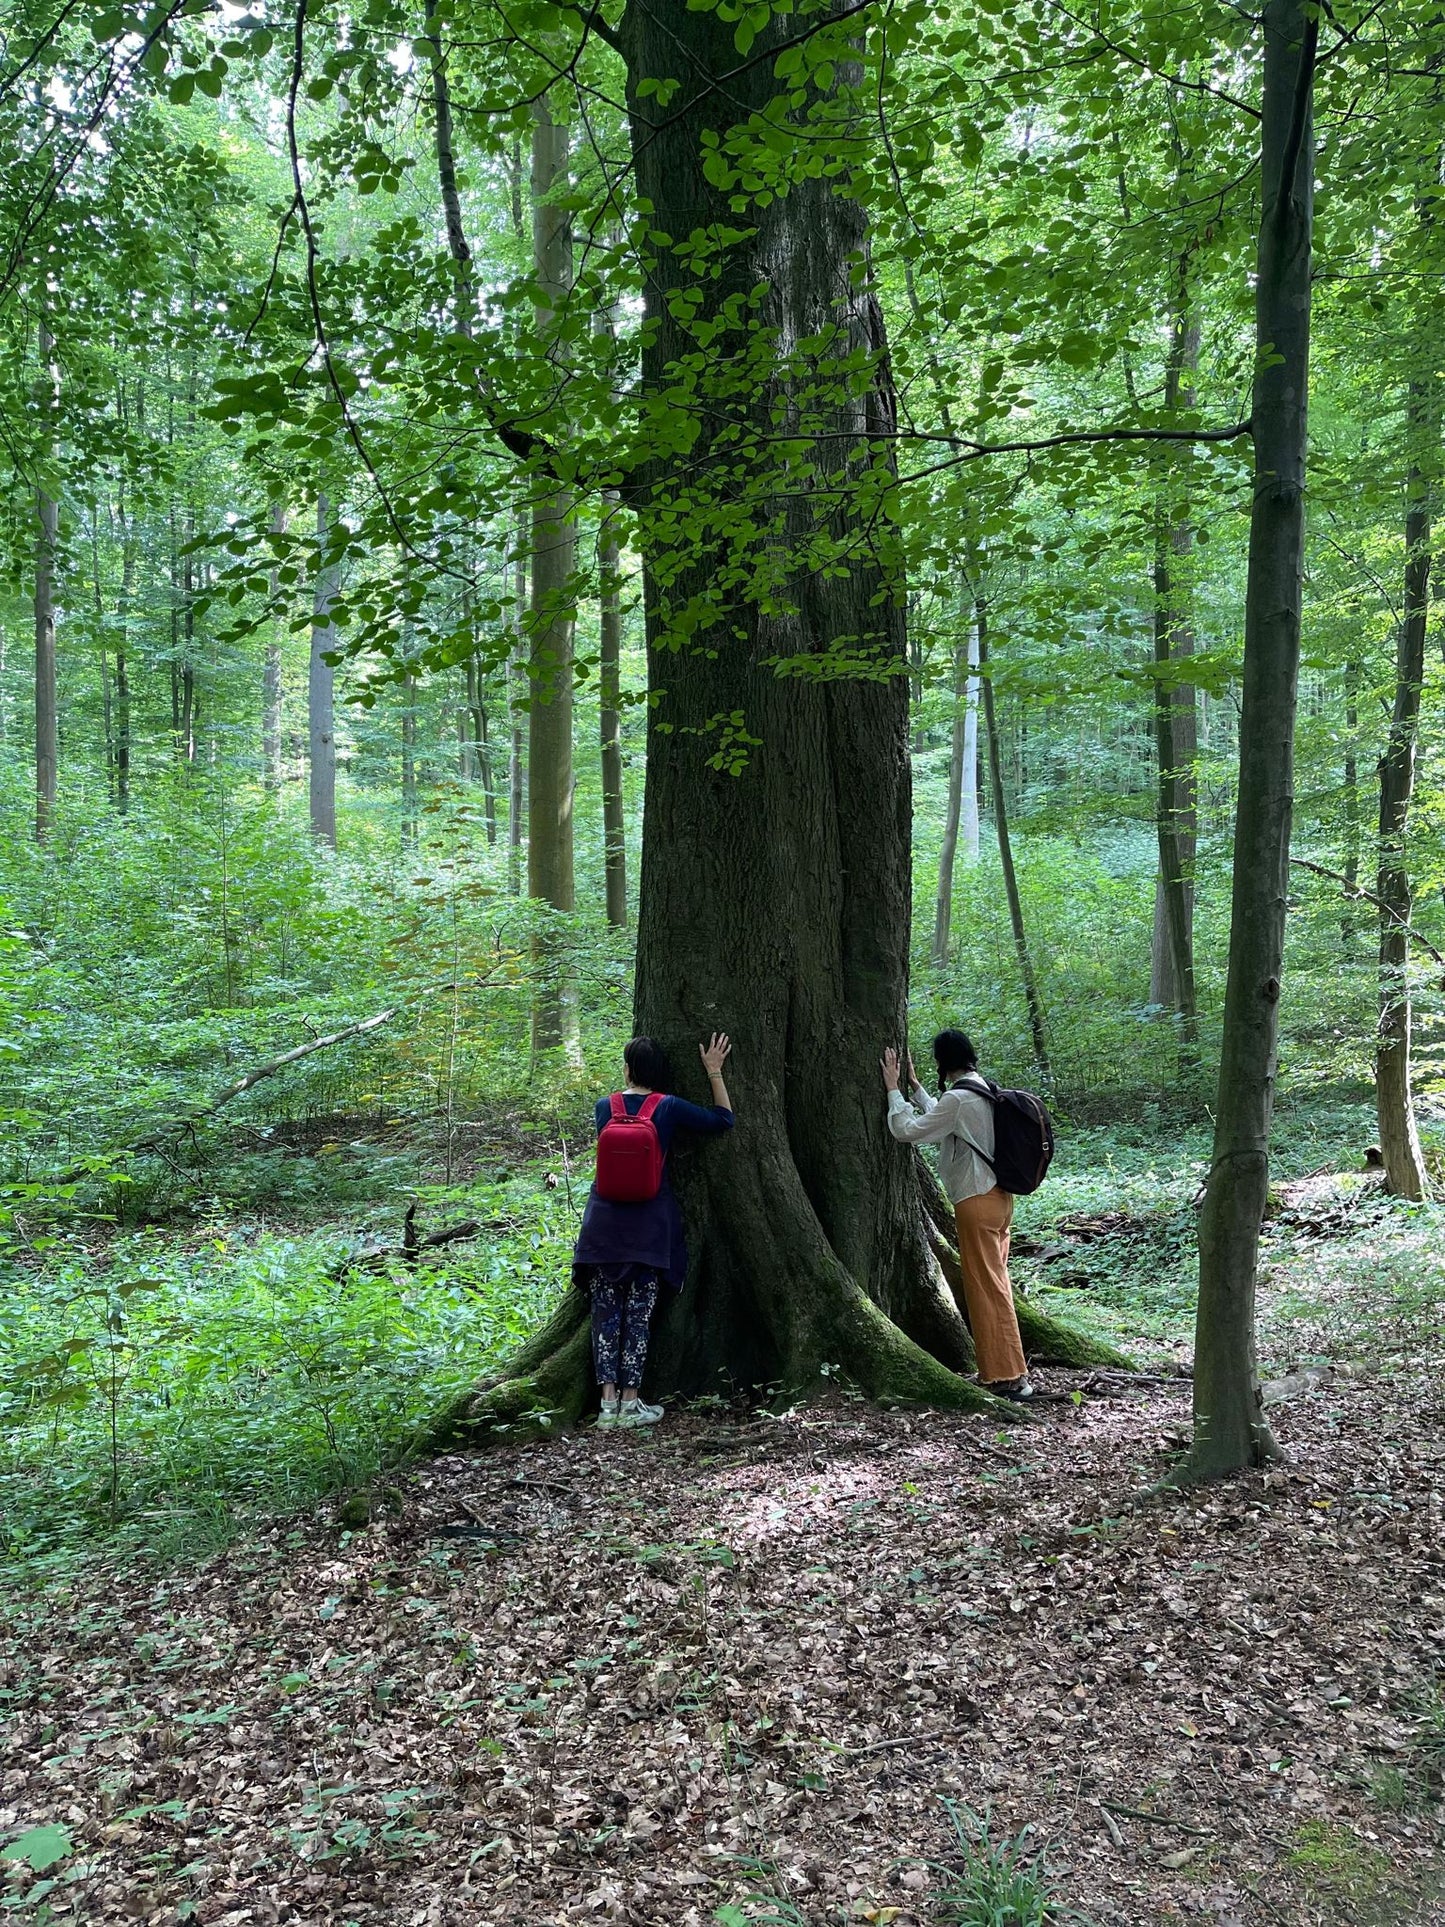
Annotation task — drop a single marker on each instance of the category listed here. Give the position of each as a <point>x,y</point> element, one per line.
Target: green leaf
<point>42,1847</point>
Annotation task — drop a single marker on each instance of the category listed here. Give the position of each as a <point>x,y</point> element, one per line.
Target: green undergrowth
<point>158,1387</point>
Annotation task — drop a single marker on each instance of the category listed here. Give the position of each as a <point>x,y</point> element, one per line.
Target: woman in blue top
<point>626,1252</point>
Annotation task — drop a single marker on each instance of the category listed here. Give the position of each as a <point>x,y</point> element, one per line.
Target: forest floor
<point>750,1661</point>
<point>785,1666</point>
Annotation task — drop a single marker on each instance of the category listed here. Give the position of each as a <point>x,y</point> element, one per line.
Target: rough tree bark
<point>1352,793</point>
<point>516,721</point>
<point>1230,1429</point>
<point>47,722</point>
<point>552,622</point>
<point>775,896</point>
<point>321,687</point>
<point>1405,1174</point>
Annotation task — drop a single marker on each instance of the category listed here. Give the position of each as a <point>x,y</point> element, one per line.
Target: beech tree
<point>776,828</point>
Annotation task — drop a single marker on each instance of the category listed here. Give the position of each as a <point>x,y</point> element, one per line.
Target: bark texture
<point>1230,1429</point>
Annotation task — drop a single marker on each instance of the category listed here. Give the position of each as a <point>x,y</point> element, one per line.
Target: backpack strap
<point>650,1104</point>
<point>990,1091</point>
<point>619,1105</point>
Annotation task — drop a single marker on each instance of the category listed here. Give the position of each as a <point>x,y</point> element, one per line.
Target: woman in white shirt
<point>960,1122</point>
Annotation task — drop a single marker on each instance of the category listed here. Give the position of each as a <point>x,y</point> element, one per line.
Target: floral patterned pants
<point>621,1317</point>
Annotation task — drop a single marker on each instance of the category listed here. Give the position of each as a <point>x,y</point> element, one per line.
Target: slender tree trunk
<point>1175,726</point>
<point>1394,1102</point>
<point>1037,1030</point>
<point>958,784</point>
<point>1230,1429</point>
<point>321,686</point>
<point>47,711</point>
<point>408,761</point>
<point>516,718</point>
<point>485,768</point>
<point>1351,864</point>
<point>972,775</point>
<point>609,695</point>
<point>553,620</point>
<point>271,679</point>
<point>128,537</point>
<point>107,718</point>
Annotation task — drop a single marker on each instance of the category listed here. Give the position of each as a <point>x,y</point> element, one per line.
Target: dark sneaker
<point>1020,1390</point>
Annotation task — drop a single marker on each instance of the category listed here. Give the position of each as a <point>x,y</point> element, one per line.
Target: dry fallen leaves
<point>641,1678</point>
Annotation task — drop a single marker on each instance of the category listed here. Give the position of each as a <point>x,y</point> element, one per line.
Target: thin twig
<point>1156,1819</point>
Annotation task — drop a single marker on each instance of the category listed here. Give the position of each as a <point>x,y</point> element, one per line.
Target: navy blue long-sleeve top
<point>647,1236</point>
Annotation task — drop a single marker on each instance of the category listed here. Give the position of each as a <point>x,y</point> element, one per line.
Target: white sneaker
<point>608,1415</point>
<point>636,1411</point>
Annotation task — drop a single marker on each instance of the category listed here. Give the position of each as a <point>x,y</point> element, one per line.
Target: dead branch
<point>1356,892</point>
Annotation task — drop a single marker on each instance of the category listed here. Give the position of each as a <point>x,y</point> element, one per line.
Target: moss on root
<point>1050,1342</point>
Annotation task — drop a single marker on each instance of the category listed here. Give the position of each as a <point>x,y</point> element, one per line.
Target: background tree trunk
<point>516,718</point>
<point>1037,1031</point>
<point>1394,1103</point>
<point>969,799</point>
<point>321,687</point>
<point>408,760</point>
<point>129,539</point>
<point>1230,1430</point>
<point>47,712</point>
<point>609,696</point>
<point>552,623</point>
<point>959,784</point>
<point>1352,795</point>
<point>1176,728</point>
<point>271,681</point>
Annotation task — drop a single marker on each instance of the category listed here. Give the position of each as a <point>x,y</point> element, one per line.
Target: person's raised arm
<point>930,1125</point>
<point>714,1055</point>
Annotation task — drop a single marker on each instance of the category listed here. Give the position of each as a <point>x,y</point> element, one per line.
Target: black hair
<point>647,1064</point>
<point>953,1052</point>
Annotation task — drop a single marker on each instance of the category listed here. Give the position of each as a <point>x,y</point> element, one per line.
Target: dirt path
<point>595,1679</point>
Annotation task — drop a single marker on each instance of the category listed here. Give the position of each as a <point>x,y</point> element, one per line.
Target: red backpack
<point>629,1153</point>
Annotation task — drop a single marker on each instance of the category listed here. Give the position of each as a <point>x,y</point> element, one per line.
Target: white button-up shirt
<point>950,1121</point>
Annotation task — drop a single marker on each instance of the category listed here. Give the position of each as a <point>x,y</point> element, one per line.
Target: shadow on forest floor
<point>743,1663</point>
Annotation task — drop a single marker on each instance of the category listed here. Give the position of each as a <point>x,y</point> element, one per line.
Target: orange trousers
<point>983,1238</point>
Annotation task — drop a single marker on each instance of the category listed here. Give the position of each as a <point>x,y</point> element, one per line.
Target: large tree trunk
<point>1230,1430</point>
<point>1395,1107</point>
<point>553,625</point>
<point>47,713</point>
<point>321,686</point>
<point>775,873</point>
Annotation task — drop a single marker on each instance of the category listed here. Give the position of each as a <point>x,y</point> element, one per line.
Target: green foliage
<point>997,1882</point>
<point>161,1389</point>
